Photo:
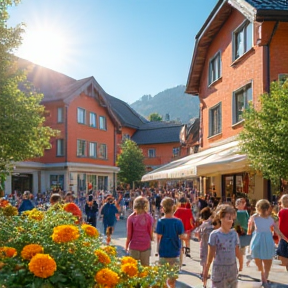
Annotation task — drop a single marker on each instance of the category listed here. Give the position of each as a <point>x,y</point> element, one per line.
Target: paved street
<point>249,277</point>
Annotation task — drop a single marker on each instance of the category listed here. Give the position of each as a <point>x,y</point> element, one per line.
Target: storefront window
<point>103,183</point>
<point>232,187</point>
<point>81,182</point>
<point>56,182</point>
<point>92,182</point>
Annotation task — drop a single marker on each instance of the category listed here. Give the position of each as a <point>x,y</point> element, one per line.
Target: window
<point>215,68</point>
<point>92,149</point>
<point>92,120</point>
<point>81,115</point>
<point>60,147</point>
<point>81,148</point>
<point>125,137</point>
<point>176,151</point>
<point>215,125</point>
<point>56,182</point>
<point>241,99</point>
<point>102,151</point>
<point>151,153</point>
<point>242,39</point>
<point>102,123</point>
<point>59,115</point>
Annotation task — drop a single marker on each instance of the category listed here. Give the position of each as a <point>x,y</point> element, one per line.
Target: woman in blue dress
<point>262,243</point>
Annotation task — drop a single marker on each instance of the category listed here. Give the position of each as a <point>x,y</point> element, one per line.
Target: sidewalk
<point>189,277</point>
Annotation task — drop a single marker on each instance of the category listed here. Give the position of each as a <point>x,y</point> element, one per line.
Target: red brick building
<point>92,125</point>
<point>241,48</point>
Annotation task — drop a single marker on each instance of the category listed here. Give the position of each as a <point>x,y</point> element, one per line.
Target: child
<point>203,232</point>
<point>224,248</point>
<point>242,224</point>
<point>170,232</point>
<point>262,243</point>
<point>282,250</point>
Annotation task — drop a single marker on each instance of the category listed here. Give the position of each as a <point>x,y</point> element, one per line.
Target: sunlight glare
<point>45,46</point>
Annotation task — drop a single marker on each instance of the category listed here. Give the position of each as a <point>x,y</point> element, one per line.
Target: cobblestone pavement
<point>190,277</point>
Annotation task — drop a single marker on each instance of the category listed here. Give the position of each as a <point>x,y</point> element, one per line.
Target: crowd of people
<point>226,230</point>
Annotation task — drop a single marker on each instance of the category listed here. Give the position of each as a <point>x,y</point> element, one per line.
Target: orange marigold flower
<point>107,277</point>
<point>143,274</point>
<point>90,230</point>
<point>65,233</point>
<point>102,257</point>
<point>4,203</point>
<point>128,259</point>
<point>73,209</point>
<point>130,269</point>
<point>110,250</point>
<point>42,265</point>
<point>31,250</point>
<point>8,252</point>
<point>86,244</point>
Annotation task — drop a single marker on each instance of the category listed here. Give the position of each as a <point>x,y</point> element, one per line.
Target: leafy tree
<point>130,162</point>
<point>23,134</point>
<point>154,117</point>
<point>265,135</point>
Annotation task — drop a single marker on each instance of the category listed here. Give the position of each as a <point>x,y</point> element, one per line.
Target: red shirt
<point>185,215</point>
<point>283,221</point>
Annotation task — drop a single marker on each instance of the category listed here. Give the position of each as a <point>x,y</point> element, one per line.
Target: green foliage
<point>154,117</point>
<point>265,135</point>
<point>130,162</point>
<point>23,134</point>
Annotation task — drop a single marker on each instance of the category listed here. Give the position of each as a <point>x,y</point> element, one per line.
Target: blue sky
<point>131,47</point>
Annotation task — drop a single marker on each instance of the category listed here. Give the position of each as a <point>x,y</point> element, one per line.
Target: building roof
<point>126,115</point>
<point>157,132</point>
<point>254,10</point>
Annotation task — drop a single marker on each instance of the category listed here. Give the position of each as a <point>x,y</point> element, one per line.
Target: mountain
<point>173,102</point>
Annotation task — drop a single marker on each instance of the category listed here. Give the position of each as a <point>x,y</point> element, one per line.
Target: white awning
<point>209,161</point>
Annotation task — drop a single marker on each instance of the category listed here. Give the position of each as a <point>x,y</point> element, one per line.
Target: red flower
<point>73,209</point>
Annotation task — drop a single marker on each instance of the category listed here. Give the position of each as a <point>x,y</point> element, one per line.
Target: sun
<point>45,46</point>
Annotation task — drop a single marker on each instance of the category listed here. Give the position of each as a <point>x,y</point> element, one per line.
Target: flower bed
<point>47,249</point>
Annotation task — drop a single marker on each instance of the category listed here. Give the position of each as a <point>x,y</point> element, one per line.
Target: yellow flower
<point>42,265</point>
<point>8,252</point>
<point>130,269</point>
<point>36,215</point>
<point>128,260</point>
<point>102,257</point>
<point>90,230</point>
<point>86,244</point>
<point>65,233</point>
<point>107,277</point>
<point>110,250</point>
<point>10,210</point>
<point>31,250</point>
<point>144,272</point>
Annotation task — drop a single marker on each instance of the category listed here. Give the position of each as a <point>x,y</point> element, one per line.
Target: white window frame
<point>93,149</point>
<point>93,116</point>
<point>81,144</point>
<point>102,123</point>
<point>59,147</point>
<point>247,43</point>
<point>81,115</point>
<point>247,93</point>
<point>60,115</point>
<point>102,155</point>
<point>151,153</point>
<point>215,128</point>
<point>215,64</point>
